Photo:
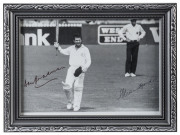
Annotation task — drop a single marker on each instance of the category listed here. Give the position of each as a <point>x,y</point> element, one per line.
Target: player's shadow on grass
<point>86,108</point>
<point>83,109</point>
<point>141,75</point>
<point>137,75</point>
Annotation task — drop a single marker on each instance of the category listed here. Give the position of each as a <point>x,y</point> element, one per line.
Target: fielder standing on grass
<point>79,61</point>
<point>132,33</point>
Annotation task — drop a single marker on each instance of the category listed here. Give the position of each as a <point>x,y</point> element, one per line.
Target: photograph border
<point>13,122</point>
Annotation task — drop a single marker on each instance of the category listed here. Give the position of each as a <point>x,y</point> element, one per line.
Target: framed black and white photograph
<point>90,67</point>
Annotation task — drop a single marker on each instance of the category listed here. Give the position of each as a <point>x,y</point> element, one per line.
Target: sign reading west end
<point>108,35</point>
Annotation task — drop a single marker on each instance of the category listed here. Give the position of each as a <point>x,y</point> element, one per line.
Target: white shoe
<point>127,75</point>
<point>133,75</point>
<point>76,109</point>
<point>69,106</point>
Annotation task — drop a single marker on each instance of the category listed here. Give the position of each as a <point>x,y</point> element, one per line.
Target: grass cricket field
<point>105,87</point>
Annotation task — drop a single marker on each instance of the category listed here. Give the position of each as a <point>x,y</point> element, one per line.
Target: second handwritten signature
<point>124,92</point>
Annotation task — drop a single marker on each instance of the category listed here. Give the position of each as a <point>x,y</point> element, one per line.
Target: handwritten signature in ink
<point>36,78</point>
<point>124,92</point>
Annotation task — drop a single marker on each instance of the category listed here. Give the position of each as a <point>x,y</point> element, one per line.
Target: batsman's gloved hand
<point>78,71</point>
<point>56,45</point>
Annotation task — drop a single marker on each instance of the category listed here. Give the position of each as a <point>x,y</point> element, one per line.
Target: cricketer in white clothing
<point>132,33</point>
<point>79,56</point>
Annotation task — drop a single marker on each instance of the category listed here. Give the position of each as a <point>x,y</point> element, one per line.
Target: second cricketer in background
<point>132,33</point>
<point>79,56</point>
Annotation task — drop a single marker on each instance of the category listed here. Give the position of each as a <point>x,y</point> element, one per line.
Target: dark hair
<point>133,19</point>
<point>77,36</point>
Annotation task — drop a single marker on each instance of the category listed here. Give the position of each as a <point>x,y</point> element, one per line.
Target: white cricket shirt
<point>77,57</point>
<point>132,32</point>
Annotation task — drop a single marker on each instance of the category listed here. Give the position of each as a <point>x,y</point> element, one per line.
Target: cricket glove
<point>56,45</point>
<point>78,71</point>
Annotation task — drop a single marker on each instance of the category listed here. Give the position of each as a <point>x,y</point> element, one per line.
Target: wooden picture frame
<point>15,60</point>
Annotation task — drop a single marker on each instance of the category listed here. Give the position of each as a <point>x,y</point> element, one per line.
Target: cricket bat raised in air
<point>57,33</point>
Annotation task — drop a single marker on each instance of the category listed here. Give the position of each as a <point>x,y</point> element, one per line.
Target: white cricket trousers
<point>74,96</point>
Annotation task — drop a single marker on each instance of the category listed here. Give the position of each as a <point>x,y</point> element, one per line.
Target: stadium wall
<point>91,34</point>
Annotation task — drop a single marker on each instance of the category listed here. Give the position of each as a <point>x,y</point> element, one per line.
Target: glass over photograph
<point>90,67</point>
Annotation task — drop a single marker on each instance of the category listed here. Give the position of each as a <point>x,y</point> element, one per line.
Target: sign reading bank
<point>108,35</point>
<point>46,36</point>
